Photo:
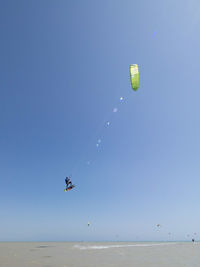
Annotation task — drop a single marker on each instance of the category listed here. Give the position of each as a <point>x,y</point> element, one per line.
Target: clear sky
<point>63,67</point>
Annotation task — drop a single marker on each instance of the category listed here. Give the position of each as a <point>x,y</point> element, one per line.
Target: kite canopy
<point>134,73</point>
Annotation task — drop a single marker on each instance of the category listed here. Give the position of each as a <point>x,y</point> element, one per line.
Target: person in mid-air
<point>68,181</point>
<point>69,184</point>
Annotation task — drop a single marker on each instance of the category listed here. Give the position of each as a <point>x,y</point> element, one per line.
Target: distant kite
<point>134,74</point>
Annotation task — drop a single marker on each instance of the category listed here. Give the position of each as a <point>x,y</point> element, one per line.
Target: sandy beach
<point>116,254</point>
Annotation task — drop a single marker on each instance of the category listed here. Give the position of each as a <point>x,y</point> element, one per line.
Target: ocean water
<point>99,254</point>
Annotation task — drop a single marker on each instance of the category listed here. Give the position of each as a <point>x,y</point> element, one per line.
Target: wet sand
<point>116,254</point>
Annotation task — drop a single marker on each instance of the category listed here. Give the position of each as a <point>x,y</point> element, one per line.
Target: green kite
<point>134,73</point>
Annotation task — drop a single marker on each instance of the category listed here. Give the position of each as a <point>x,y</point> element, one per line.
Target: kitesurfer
<point>68,181</point>
<point>69,184</point>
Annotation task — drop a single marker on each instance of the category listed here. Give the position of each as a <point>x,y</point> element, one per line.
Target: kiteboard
<point>70,188</point>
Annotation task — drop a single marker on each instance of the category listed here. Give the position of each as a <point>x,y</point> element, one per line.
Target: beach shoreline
<point>98,254</point>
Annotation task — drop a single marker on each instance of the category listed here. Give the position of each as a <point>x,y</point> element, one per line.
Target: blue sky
<point>64,66</point>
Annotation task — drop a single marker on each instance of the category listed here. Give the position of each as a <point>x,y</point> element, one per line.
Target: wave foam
<point>120,246</point>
